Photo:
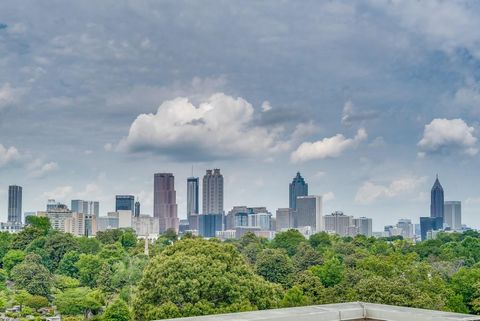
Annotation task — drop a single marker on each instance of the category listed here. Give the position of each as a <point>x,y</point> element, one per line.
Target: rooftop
<point>354,311</point>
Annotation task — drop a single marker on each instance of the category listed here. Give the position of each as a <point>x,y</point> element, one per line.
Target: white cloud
<point>9,95</point>
<point>329,147</point>
<point>447,135</point>
<point>220,127</point>
<point>371,191</point>
<point>266,106</point>
<point>8,155</point>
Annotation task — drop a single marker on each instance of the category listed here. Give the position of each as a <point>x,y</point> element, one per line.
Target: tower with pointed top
<point>437,200</point>
<point>298,187</point>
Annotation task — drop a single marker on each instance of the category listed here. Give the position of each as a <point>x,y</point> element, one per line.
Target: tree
<point>128,239</point>
<point>306,257</point>
<point>320,240</point>
<point>24,237</point>
<point>294,297</point>
<point>88,245</point>
<point>109,236</point>
<point>117,311</point>
<point>36,302</point>
<point>21,297</point>
<point>195,277</point>
<point>57,244</point>
<point>12,258</point>
<point>288,240</point>
<point>330,273</point>
<point>77,301</point>
<point>63,282</point>
<point>5,243</point>
<point>89,267</point>
<point>274,265</point>
<point>67,265</point>
<point>170,235</point>
<point>32,276</point>
<point>41,223</point>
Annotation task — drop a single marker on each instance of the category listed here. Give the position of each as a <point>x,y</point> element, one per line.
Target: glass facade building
<point>209,224</point>
<point>428,224</point>
<point>437,200</point>
<point>124,203</point>
<point>298,187</point>
<point>15,204</point>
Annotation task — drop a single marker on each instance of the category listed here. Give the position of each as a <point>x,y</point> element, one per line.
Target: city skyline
<point>368,100</point>
<point>165,186</point>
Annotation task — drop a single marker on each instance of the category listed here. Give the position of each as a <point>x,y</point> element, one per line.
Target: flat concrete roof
<point>353,311</point>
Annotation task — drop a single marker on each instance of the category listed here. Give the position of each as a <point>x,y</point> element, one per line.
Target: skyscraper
<point>14,204</point>
<point>437,201</point>
<point>192,196</point>
<point>453,214</point>
<point>309,212</point>
<point>212,192</point>
<point>298,187</point>
<point>124,203</point>
<point>165,201</point>
<point>137,209</point>
<point>338,223</point>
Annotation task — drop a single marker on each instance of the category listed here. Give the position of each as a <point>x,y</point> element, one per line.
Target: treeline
<point>110,278</point>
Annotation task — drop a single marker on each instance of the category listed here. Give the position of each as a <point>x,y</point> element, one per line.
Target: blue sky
<point>367,99</point>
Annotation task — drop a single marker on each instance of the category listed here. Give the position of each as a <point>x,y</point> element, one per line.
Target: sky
<point>369,100</point>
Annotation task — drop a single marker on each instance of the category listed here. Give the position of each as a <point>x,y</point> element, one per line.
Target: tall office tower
<point>234,217</point>
<point>192,202</point>
<point>124,203</point>
<point>338,223</point>
<point>209,224</point>
<point>298,187</point>
<point>309,212</point>
<point>14,204</point>
<point>137,209</point>
<point>364,226</point>
<point>453,214</point>
<point>437,201</point>
<point>165,201</point>
<point>212,192</point>
<point>284,218</point>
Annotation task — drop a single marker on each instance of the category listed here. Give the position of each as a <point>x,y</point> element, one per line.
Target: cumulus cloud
<point>329,147</point>
<point>220,127</point>
<point>8,155</point>
<point>266,106</point>
<point>371,191</point>
<point>350,115</point>
<point>446,136</point>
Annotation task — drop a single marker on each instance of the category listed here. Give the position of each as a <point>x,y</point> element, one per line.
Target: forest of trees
<point>108,277</point>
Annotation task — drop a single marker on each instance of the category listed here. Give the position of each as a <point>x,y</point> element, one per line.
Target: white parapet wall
<point>353,311</point>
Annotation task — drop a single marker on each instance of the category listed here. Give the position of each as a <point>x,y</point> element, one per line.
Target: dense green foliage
<point>108,277</point>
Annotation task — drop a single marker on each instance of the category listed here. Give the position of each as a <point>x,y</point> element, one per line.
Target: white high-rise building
<point>408,229</point>
<point>145,225</point>
<point>452,216</point>
<point>309,212</point>
<point>338,223</point>
<point>212,192</point>
<point>364,226</point>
